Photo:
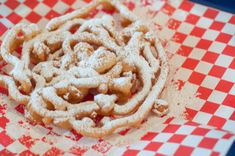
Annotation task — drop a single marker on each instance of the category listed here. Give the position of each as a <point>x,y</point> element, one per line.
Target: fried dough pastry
<point>111,66</point>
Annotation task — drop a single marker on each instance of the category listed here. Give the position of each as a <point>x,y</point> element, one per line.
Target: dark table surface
<point>225,5</point>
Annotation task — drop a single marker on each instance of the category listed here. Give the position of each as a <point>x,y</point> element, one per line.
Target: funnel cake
<point>81,67</point>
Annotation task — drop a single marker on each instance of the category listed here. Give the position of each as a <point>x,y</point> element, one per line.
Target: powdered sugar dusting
<point>178,96</point>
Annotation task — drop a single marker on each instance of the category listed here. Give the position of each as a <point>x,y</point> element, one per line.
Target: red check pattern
<point>203,41</point>
<point>187,139</point>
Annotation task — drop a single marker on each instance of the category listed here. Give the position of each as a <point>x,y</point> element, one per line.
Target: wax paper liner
<point>198,40</point>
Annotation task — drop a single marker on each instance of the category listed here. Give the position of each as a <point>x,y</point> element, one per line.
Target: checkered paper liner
<point>202,45</point>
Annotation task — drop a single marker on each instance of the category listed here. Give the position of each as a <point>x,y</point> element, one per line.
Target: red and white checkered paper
<point>202,44</point>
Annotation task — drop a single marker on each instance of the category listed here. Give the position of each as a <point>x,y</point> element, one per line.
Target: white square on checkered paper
<point>58,130</point>
<point>201,151</point>
<point>202,117</point>
<point>40,147</point>
<point>180,15</point>
<point>223,17</point>
<point>229,29</point>
<point>6,22</point>
<point>65,141</point>
<point>232,41</point>
<point>183,74</point>
<point>192,87</point>
<point>60,7</point>
<point>161,18</point>
<point>191,41</point>
<point>198,9</point>
<point>11,130</point>
<point>115,151</point>
<point>217,96</point>
<point>204,22</point>
<point>215,134</point>
<point>168,148</point>
<point>88,141</point>
<point>199,104</point>
<point>146,153</point>
<point>78,4</point>
<point>177,61</point>
<point>185,28</point>
<point>178,121</point>
<point>210,34</point>
<point>5,11</point>
<point>224,60</point>
<point>192,140</point>
<point>41,9</point>
<point>42,22</point>
<point>24,20</point>
<point>172,47</point>
<point>174,3</point>
<point>217,47</point>
<point>206,126</point>
<point>197,53</point>
<point>229,75</point>
<point>1,147</point>
<point>220,146</point>
<point>229,125</point>
<point>157,5</point>
<point>203,67</point>
<point>185,129</point>
<point>210,82</point>
<point>23,10</point>
<point>166,34</point>
<point>92,152</point>
<point>16,147</point>
<point>163,137</point>
<point>38,131</point>
<point>232,91</point>
<point>224,111</point>
<point>139,145</point>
